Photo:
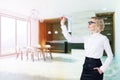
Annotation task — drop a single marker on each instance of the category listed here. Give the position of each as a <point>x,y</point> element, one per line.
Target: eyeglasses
<point>90,22</point>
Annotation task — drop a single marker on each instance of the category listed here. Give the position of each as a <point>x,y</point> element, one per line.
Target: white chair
<point>43,51</point>
<point>25,51</point>
<point>20,51</point>
<point>47,50</point>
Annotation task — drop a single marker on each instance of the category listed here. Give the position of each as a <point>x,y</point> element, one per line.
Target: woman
<point>94,45</point>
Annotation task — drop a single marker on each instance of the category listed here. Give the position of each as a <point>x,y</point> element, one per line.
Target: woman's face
<point>92,25</point>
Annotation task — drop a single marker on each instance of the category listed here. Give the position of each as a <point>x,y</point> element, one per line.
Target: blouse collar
<point>94,34</point>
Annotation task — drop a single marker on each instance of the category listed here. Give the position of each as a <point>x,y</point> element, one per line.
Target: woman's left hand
<point>99,70</point>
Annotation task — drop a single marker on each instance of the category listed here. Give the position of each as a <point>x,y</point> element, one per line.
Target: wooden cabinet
<point>109,26</point>
<point>51,33</point>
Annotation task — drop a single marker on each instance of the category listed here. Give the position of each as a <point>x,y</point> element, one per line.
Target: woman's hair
<point>99,23</point>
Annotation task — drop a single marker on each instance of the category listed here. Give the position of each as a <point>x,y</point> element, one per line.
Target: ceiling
<point>56,8</point>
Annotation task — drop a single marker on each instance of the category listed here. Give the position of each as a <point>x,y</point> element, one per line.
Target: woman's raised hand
<point>63,20</point>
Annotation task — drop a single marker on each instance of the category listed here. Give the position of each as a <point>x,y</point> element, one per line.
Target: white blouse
<point>94,45</point>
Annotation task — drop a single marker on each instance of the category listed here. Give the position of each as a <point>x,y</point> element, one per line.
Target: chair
<point>39,51</point>
<point>47,50</point>
<point>42,51</point>
<point>35,51</point>
<point>20,51</point>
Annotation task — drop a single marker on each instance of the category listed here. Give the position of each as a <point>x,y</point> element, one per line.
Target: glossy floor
<point>61,67</point>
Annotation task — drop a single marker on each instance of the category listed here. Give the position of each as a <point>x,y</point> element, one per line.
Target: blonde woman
<point>94,45</point>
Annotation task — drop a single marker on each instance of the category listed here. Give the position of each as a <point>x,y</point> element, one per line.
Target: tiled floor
<point>61,67</point>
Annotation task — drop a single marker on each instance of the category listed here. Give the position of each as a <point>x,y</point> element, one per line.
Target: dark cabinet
<point>109,26</point>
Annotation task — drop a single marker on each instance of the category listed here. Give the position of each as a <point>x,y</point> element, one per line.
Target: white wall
<point>34,32</point>
<point>117,31</point>
<point>80,29</point>
<point>80,23</point>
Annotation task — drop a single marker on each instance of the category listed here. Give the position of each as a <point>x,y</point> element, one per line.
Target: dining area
<point>34,52</point>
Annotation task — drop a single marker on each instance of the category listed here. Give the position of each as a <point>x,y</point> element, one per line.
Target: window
<point>7,35</point>
<point>14,33</point>
<point>21,33</point>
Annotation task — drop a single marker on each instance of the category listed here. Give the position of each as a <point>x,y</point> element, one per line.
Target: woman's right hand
<point>63,20</point>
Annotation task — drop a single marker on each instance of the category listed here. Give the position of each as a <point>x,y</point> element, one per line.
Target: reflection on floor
<point>61,67</point>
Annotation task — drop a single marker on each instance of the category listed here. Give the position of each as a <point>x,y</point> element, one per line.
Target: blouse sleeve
<point>70,38</point>
<point>109,55</point>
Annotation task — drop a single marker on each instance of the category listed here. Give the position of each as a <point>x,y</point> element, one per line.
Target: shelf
<point>109,26</point>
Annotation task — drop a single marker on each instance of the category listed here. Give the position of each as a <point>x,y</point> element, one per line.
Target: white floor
<point>61,67</point>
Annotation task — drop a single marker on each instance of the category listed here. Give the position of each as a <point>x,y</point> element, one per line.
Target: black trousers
<point>88,72</point>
